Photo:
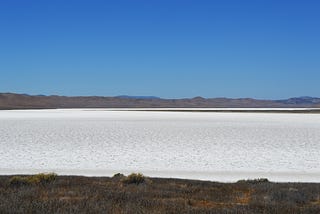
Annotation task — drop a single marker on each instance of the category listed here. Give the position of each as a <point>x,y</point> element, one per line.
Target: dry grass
<point>138,194</point>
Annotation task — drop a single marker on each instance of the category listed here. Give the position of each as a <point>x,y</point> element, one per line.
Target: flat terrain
<point>192,145</point>
<point>156,195</point>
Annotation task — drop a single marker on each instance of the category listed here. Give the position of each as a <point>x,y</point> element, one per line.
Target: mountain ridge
<point>26,101</point>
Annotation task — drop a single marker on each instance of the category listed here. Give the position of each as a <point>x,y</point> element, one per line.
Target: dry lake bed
<point>219,146</point>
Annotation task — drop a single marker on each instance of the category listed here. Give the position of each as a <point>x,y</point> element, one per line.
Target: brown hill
<point>23,101</point>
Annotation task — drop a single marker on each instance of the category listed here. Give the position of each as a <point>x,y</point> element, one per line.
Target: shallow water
<point>213,146</point>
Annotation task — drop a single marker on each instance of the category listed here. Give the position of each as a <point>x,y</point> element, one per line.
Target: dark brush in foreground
<point>49,193</point>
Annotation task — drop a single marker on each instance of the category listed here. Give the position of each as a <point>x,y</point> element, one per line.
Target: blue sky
<point>266,49</point>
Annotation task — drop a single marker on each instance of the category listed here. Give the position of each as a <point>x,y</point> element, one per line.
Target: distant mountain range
<point>139,97</point>
<point>24,101</point>
<point>301,100</point>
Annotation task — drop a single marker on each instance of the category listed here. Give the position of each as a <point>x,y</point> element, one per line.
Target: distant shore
<point>257,110</point>
<point>213,110</point>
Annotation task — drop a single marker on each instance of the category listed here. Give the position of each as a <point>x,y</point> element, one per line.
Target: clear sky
<point>168,48</point>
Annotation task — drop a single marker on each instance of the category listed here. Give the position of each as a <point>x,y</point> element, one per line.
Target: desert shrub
<point>19,180</point>
<point>45,178</point>
<point>254,181</point>
<point>118,175</point>
<point>134,178</point>
<point>41,178</point>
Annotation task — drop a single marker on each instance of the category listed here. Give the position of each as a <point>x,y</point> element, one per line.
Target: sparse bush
<point>41,178</point>
<point>118,175</point>
<point>134,178</point>
<point>254,181</point>
<point>19,180</point>
<point>45,178</point>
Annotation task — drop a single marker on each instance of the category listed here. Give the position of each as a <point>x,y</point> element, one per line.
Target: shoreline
<point>204,110</point>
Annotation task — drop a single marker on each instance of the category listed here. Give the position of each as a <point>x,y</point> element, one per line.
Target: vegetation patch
<point>134,178</point>
<point>41,178</point>
<point>121,194</point>
<point>255,181</point>
<point>118,175</point>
